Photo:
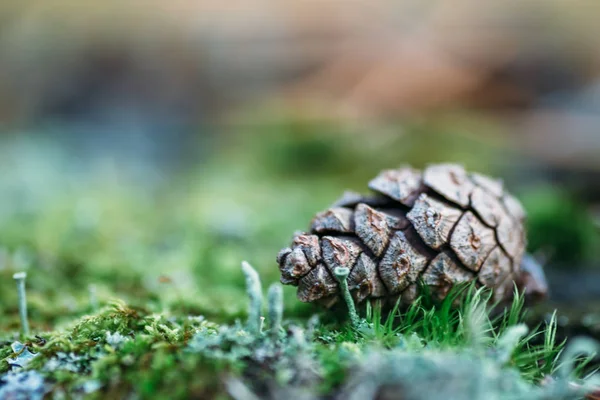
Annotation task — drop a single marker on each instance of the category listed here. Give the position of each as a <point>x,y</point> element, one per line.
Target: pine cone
<point>442,226</point>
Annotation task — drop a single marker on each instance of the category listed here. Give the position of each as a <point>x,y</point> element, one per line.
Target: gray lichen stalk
<point>20,278</point>
<point>275,299</point>
<point>254,291</point>
<point>341,274</point>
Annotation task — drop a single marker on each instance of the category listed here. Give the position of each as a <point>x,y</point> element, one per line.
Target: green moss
<point>560,226</point>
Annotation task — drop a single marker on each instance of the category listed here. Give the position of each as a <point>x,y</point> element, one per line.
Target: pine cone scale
<point>372,228</point>
<point>433,220</point>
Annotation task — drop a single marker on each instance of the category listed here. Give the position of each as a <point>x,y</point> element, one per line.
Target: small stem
<point>341,274</point>
<point>298,336</point>
<point>311,326</point>
<point>20,278</point>
<point>275,300</point>
<point>254,290</point>
<point>93,297</point>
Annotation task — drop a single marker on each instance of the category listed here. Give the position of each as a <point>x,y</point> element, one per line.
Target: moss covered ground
<point>134,286</point>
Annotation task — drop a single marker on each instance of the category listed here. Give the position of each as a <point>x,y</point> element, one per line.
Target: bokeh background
<point>147,147</point>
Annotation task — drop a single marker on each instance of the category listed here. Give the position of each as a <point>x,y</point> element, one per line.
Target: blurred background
<point>147,147</point>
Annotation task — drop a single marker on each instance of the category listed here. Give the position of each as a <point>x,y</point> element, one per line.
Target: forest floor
<point>136,291</point>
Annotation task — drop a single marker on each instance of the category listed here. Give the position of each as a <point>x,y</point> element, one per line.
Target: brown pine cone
<point>442,226</point>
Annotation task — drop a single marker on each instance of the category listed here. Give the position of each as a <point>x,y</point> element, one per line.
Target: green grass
<point>468,325</point>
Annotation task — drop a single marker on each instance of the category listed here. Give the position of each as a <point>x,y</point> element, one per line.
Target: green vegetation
<point>123,350</point>
<point>560,225</point>
<point>135,290</point>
